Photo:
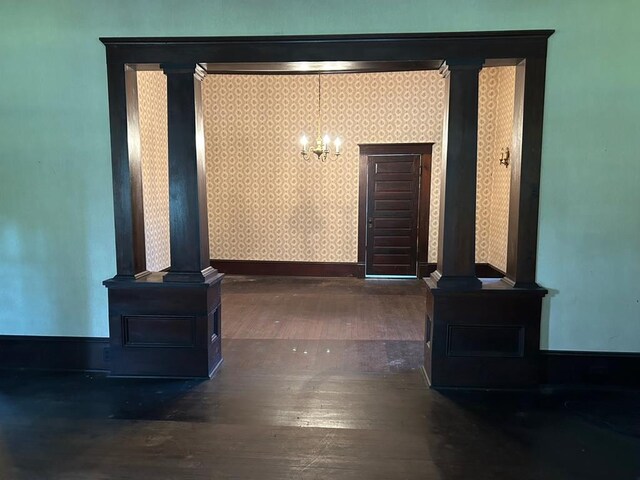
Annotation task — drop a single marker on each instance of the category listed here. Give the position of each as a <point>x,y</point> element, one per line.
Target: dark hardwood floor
<point>311,397</point>
<point>307,308</point>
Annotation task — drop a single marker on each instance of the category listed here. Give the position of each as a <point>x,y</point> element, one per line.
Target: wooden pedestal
<point>162,329</point>
<point>485,338</point>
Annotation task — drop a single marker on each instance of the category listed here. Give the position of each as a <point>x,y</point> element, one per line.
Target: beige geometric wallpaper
<point>501,176</point>
<point>495,125</point>
<point>152,105</point>
<point>266,203</point>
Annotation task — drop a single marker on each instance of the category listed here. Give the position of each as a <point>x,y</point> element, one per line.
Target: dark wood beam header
<point>368,48</point>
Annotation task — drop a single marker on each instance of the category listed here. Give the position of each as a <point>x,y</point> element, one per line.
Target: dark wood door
<point>393,189</point>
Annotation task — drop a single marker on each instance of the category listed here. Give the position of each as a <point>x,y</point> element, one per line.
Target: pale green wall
<point>56,226</point>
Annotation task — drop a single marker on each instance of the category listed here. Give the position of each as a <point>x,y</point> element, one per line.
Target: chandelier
<point>322,146</point>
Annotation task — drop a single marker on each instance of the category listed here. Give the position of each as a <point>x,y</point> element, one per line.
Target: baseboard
<point>54,353</point>
<point>483,270</point>
<point>324,269</point>
<point>560,368</point>
<point>606,369</point>
<point>297,269</point>
<point>486,270</point>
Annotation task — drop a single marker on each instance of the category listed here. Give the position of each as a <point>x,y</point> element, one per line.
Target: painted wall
<point>56,227</point>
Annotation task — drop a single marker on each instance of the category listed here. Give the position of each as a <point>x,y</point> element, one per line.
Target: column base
<point>455,282</point>
<point>190,277</point>
<point>516,284</point>
<point>164,329</point>
<point>487,337</point>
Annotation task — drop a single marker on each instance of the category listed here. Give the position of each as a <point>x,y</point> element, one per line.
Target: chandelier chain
<point>318,118</point>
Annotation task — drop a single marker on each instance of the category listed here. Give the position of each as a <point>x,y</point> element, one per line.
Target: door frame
<point>422,149</point>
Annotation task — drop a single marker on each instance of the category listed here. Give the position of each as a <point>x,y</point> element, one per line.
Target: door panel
<point>393,189</point>
<point>387,208</point>
<point>394,167</point>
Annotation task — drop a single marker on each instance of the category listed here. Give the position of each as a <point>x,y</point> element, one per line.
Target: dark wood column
<point>456,239</point>
<point>187,183</point>
<point>126,172</point>
<point>525,173</point>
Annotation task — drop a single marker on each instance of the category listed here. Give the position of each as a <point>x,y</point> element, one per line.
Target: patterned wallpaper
<point>267,203</point>
<point>495,123</point>
<point>501,176</point>
<point>486,138</point>
<point>152,104</point>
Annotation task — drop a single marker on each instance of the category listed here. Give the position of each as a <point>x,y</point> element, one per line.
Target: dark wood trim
<point>299,68</point>
<point>507,46</point>
<point>124,54</point>
<point>91,354</point>
<point>323,269</point>
<point>187,181</point>
<point>606,369</point>
<point>424,207</point>
<point>422,149</point>
<point>503,48</point>
<point>485,337</point>
<point>486,270</point>
<point>475,36</point>
<point>362,212</point>
<point>525,172</point>
<point>425,269</point>
<point>165,329</point>
<point>126,171</point>
<point>483,270</point>
<point>560,368</point>
<point>457,221</point>
<point>54,353</point>
<point>296,269</point>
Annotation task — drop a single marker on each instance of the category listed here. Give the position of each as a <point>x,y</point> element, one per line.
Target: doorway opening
<point>184,302</point>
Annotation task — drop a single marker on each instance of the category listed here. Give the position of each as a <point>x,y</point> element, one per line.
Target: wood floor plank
<point>339,309</point>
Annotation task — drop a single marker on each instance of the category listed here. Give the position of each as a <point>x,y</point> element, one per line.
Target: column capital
<point>452,64</point>
<point>196,69</point>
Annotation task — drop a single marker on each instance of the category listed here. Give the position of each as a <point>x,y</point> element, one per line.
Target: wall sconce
<point>504,157</point>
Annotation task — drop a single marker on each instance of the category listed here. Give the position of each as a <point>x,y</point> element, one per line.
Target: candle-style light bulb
<point>304,141</point>
<point>338,143</point>
<point>326,141</point>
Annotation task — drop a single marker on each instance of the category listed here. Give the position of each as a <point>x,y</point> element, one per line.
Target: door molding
<point>422,149</point>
